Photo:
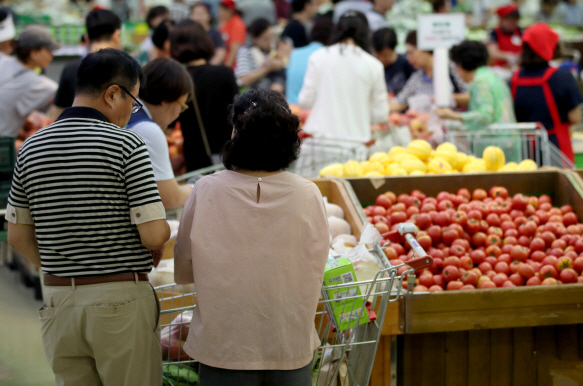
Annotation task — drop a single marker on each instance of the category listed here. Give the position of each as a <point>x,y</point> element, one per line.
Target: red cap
<point>542,39</point>
<point>228,4</point>
<point>506,10</point>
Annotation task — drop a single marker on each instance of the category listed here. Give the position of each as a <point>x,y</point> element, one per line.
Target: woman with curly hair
<point>254,241</point>
<point>345,85</point>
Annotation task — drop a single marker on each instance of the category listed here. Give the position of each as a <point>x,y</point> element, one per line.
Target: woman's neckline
<point>258,174</point>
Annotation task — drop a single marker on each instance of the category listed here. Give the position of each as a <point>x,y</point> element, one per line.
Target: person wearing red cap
<point>545,94</point>
<point>505,40</point>
<point>233,30</point>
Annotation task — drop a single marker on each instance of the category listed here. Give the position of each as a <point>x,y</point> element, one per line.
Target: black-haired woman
<point>345,85</point>
<point>257,292</point>
<point>490,99</point>
<point>164,94</point>
<point>257,67</point>
<point>205,125</point>
<point>543,93</point>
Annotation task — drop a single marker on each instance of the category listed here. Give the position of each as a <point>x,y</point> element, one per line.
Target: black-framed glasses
<point>137,105</point>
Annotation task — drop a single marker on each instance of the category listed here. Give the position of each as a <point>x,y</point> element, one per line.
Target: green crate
<point>7,154</point>
<point>4,191</point>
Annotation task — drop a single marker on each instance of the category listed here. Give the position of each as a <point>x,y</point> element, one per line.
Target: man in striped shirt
<point>85,209</point>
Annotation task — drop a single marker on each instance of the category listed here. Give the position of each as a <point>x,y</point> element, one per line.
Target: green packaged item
<point>179,375</point>
<point>346,312</point>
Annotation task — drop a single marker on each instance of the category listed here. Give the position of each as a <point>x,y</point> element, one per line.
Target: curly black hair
<point>470,55</point>
<point>265,133</point>
<point>352,24</point>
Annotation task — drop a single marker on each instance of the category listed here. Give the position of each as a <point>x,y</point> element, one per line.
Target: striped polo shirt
<point>85,184</point>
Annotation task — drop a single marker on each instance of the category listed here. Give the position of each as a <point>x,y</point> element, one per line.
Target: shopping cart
<point>316,152</point>
<point>346,356</point>
<point>519,141</point>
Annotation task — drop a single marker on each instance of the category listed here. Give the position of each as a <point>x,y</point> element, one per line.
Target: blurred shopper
<point>303,12</point>
<point>205,125</point>
<point>298,62</point>
<point>376,16</point>
<point>258,202</point>
<point>506,40</point>
<point>343,6</point>
<point>84,208</point>
<point>22,90</point>
<point>164,94</point>
<point>549,12</point>
<point>103,31</point>
<point>179,10</point>
<point>490,99</point>
<point>441,6</point>
<point>397,69</point>
<point>252,10</point>
<point>201,13</point>
<point>121,9</point>
<point>7,33</point>
<point>155,16</point>
<point>545,94</point>
<point>161,40</point>
<point>345,85</point>
<point>256,66</point>
<point>571,12</point>
<point>233,31</point>
<point>421,81</point>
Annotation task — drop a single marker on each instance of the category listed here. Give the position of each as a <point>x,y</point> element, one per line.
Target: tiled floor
<point>22,357</point>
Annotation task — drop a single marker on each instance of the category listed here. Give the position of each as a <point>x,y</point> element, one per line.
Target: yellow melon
<point>417,173</point>
<point>420,149</point>
<point>527,165</point>
<point>352,169</point>
<point>462,160</point>
<point>447,146</point>
<point>446,155</point>
<point>377,156</point>
<point>374,174</point>
<point>395,150</point>
<point>399,171</point>
<point>336,170</point>
<point>477,166</point>
<point>438,165</point>
<point>494,158</point>
<point>509,167</point>
<point>413,164</point>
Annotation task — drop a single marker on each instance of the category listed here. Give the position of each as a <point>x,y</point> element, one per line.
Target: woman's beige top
<point>256,250</point>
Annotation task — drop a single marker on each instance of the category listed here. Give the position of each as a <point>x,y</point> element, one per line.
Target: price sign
<point>440,30</point>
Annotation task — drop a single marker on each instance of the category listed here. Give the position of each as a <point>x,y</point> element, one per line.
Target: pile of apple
<point>485,239</point>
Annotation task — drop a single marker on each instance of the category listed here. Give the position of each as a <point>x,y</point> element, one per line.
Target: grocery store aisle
<point>22,357</point>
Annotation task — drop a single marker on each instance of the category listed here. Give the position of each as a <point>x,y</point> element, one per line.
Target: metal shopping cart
<point>346,356</point>
<point>316,153</point>
<point>519,141</point>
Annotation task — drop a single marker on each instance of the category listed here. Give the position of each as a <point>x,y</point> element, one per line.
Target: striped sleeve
<point>141,189</point>
<point>18,210</point>
<point>245,62</point>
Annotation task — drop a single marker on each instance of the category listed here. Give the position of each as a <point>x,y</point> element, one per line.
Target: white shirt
<point>346,90</point>
<point>21,92</point>
<point>157,146</point>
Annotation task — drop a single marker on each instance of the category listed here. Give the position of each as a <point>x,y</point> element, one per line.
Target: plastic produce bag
<point>173,337</point>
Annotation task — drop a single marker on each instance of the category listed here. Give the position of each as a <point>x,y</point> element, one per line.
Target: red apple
<point>510,241</point>
<point>528,229</point>
<point>464,243</point>
<point>524,241</point>
<point>519,253</point>
<point>558,252</point>
<point>383,201</point>
<point>493,220</point>
<point>508,283</point>
<point>479,239</point>
<point>516,279</point>
<point>550,281</point>
<point>485,267</point>
<point>538,256</point>
<point>448,236</point>
<point>402,198</point>
<point>457,250</point>
<point>493,240</point>
<point>451,260</point>
<point>505,257</point>
<point>499,279</point>
<point>533,281</point>
<point>568,275</point>
<point>570,218</point>
<point>578,264</point>
<point>479,194</point>
<point>473,226</point>
<point>400,207</point>
<point>464,192</point>
<point>498,191</point>
<point>423,221</point>
<point>548,271</point>
<point>412,210</point>
<point>398,217</point>
<point>494,251</point>
<point>479,256</point>
<point>537,244</point>
<point>470,277</point>
<point>502,267</point>
<point>491,260</point>
<point>460,218</point>
<point>451,273</point>
<point>526,271</point>
<point>519,202</point>
<point>399,249</point>
<point>442,219</point>
<point>444,205</point>
<point>466,263</point>
<point>566,209</point>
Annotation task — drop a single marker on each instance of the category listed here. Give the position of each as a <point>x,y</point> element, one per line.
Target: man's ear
<point>111,94</point>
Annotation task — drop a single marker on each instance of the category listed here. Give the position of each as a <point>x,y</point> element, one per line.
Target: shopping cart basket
<point>519,141</point>
<point>345,357</point>
<point>316,152</point>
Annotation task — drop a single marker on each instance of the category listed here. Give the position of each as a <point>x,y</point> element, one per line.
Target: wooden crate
<point>496,308</point>
<point>528,356</point>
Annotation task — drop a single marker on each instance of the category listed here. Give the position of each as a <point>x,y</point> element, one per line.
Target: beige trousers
<point>102,334</point>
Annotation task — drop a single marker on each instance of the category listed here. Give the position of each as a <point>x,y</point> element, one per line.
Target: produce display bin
<point>446,332</point>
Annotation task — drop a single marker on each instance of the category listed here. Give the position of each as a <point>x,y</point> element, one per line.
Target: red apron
<point>559,129</point>
<point>505,44</point>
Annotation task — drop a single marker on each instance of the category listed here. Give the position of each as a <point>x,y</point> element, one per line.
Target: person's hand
<point>277,87</point>
<point>273,64</point>
<point>424,135</point>
<point>157,255</point>
<point>445,113</point>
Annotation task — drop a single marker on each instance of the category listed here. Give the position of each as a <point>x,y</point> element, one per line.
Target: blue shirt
<point>296,70</point>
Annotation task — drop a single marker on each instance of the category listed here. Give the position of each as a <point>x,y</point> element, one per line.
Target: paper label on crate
<point>377,182</point>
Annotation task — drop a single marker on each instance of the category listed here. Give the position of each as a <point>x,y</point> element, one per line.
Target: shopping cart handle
<point>420,263</point>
